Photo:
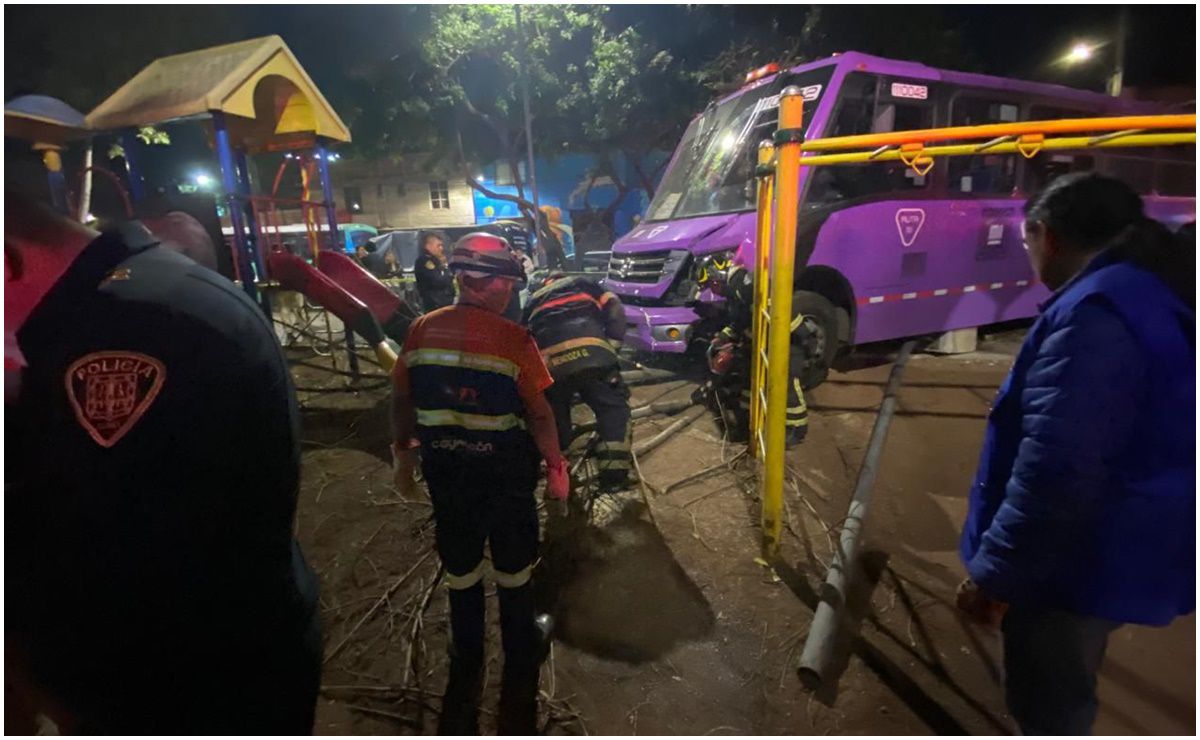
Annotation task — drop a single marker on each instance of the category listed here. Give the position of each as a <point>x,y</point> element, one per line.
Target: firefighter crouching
<point>730,352</point>
<point>469,392</point>
<point>578,326</point>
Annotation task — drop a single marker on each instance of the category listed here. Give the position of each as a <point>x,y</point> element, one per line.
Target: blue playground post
<point>252,245</point>
<point>229,181</point>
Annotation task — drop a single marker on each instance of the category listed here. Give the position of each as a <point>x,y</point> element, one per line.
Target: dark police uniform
<point>154,585</point>
<point>435,282</point>
<point>575,323</point>
<point>471,374</point>
<point>729,392</point>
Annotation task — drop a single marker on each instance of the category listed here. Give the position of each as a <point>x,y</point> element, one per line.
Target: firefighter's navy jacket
<point>151,482</point>
<point>575,323</point>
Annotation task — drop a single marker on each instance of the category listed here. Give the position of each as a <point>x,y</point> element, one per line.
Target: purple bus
<point>881,252</point>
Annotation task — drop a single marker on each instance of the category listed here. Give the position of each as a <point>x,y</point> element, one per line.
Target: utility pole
<point>537,217</point>
<point>1118,75</point>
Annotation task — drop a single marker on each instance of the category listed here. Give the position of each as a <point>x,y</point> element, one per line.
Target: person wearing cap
<point>435,284</point>
<point>469,393</point>
<point>578,327</point>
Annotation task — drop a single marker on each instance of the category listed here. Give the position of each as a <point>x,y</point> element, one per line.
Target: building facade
<point>401,196</point>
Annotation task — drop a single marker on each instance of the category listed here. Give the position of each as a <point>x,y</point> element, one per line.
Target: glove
<point>558,479</point>
<point>404,463</point>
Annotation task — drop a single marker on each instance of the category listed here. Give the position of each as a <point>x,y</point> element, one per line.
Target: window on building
<point>982,173</point>
<point>354,199</point>
<point>439,194</point>
<point>504,175</point>
<point>871,104</point>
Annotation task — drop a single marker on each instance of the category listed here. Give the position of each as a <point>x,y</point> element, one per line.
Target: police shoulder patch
<point>111,391</point>
<point>429,264</point>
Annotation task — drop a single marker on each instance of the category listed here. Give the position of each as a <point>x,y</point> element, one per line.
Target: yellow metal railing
<point>778,203</point>
<point>758,363</point>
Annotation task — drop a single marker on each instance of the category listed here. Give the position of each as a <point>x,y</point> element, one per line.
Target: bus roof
<point>881,65</point>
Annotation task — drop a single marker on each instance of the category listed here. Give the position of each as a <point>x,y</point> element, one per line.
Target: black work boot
<point>523,653</point>
<point>518,697</point>
<point>460,703</point>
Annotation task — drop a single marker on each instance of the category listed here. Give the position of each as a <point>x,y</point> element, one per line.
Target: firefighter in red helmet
<point>469,392</point>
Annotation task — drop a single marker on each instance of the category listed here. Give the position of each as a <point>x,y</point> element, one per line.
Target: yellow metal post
<point>782,264</point>
<point>766,183</point>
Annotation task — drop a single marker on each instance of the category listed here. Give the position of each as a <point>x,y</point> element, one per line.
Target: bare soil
<point>666,624</point>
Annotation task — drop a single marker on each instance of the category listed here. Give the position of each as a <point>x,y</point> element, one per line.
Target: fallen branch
<point>418,623</point>
<point>378,603</point>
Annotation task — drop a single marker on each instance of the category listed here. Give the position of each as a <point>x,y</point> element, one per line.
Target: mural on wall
<point>563,184</point>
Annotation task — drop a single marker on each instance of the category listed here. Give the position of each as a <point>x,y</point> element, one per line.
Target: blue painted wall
<point>562,182</point>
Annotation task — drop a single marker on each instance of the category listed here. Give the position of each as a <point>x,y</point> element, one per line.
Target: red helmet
<point>480,254</point>
<point>720,355</point>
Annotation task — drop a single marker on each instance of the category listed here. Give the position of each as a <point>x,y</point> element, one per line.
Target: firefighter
<point>151,555</point>
<point>578,327</point>
<point>469,392</point>
<point>730,352</point>
<point>435,284</point>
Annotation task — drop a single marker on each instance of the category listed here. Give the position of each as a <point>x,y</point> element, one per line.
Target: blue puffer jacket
<point>1085,498</point>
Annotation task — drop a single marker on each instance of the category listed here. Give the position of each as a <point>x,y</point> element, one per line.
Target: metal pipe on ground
<point>819,647</point>
<point>643,447</point>
<point>640,412</point>
<point>647,375</point>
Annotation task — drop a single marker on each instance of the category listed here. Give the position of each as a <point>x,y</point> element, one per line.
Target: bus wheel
<point>814,336</point>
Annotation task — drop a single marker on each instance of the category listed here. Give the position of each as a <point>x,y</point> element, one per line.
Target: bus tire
<point>815,330</point>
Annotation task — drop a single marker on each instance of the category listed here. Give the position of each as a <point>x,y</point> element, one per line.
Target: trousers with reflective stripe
<point>486,526</point>
<point>607,396</point>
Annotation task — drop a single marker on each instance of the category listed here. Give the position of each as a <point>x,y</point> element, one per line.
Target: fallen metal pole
<point>819,647</point>
<point>643,447</point>
<point>647,375</point>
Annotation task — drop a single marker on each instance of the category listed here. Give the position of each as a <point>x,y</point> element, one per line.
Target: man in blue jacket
<point>1082,516</point>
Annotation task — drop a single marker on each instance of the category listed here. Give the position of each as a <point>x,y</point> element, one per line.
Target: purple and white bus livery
<point>881,252</point>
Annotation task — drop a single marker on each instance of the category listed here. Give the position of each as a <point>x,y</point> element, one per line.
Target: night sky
<point>1014,41</point>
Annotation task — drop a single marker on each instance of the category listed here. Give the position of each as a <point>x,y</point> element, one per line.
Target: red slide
<point>293,273</point>
<point>392,313</point>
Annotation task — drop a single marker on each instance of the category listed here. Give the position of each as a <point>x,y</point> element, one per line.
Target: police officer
<point>730,354</point>
<point>154,585</point>
<point>468,391</point>
<point>578,326</point>
<point>435,283</point>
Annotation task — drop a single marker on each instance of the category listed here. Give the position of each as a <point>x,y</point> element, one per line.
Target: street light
<point>1080,52</point>
<point>202,180</point>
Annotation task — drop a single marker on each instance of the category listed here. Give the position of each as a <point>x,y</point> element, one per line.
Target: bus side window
<point>989,174</point>
<point>1044,167</point>
<point>865,107</point>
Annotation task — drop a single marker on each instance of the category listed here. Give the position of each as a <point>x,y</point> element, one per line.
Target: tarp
<point>258,80</point>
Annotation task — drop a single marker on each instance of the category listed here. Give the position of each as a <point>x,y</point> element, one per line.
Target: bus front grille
<point>643,267</point>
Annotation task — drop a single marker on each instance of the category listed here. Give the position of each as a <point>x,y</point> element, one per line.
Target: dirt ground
<point>665,622</point>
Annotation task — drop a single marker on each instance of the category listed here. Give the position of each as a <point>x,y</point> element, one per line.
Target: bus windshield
<point>714,169</point>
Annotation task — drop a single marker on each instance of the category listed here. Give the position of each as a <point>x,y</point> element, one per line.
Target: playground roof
<point>42,119</point>
<point>258,80</point>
